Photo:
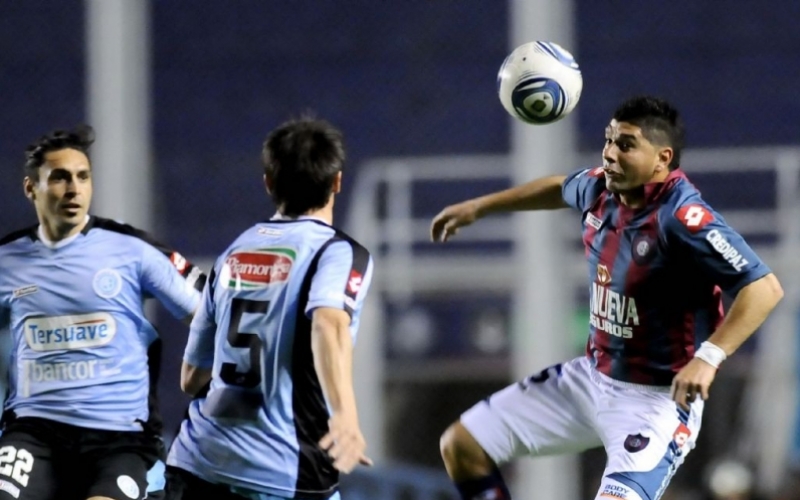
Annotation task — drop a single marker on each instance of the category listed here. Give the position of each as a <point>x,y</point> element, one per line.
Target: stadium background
<point>405,81</point>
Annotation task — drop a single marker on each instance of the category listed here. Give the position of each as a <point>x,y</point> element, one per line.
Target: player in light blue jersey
<point>274,336</point>
<point>78,422</point>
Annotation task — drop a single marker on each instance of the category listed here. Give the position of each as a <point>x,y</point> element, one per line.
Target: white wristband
<point>711,354</point>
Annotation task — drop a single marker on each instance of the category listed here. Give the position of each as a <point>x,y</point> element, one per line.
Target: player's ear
<point>28,187</point>
<point>337,183</point>
<point>664,159</point>
<point>268,184</point>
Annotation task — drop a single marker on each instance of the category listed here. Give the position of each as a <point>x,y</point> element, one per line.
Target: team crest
<point>636,442</point>
<point>107,283</point>
<point>251,269</point>
<point>603,276</point>
<point>642,250</point>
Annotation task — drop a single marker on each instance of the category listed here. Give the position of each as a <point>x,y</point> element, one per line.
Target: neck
<point>57,232</point>
<point>325,213</point>
<point>633,198</point>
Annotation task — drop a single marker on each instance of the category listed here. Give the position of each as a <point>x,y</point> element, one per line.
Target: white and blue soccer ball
<point>539,83</point>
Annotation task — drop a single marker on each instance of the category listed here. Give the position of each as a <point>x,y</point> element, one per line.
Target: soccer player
<point>78,421</point>
<point>274,336</point>
<point>659,257</point>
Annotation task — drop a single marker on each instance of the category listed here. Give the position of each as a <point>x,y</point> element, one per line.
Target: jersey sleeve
<point>716,247</point>
<point>200,346</point>
<point>342,279</point>
<point>582,187</point>
<point>161,279</point>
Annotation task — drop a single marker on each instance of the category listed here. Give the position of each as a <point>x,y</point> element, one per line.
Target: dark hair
<point>302,158</point>
<point>659,120</point>
<point>80,138</point>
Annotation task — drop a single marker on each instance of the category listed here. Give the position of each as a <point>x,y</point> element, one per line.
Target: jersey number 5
<point>228,372</point>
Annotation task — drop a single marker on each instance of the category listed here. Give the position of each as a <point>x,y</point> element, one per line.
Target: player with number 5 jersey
<point>659,259</point>
<point>274,337</point>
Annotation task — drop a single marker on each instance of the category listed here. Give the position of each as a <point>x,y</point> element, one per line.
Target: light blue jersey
<point>258,427</point>
<point>79,335</point>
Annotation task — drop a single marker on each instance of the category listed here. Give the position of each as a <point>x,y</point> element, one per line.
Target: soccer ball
<point>539,83</point>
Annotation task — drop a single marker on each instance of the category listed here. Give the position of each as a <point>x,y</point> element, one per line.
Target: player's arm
<point>198,357</point>
<point>577,190</point>
<point>540,194</point>
<point>161,279</point>
<point>332,347</point>
<point>722,253</point>
<point>747,313</point>
<point>337,294</point>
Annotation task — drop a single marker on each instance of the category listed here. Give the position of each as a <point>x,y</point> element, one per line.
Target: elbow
<point>776,288</point>
<point>193,379</point>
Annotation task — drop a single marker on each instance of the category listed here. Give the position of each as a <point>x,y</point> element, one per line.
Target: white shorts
<point>572,407</point>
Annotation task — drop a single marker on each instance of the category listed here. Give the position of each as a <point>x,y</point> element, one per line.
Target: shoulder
<point>131,234</point>
<point>684,208</point>
<point>18,236</point>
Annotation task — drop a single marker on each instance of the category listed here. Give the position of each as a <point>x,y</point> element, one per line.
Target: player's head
<point>58,177</point>
<point>643,143</point>
<point>303,161</point>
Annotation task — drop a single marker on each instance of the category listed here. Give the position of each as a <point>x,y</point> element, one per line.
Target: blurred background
<point>183,93</point>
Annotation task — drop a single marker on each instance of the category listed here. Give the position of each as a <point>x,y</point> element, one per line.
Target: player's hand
<point>693,380</point>
<point>452,218</point>
<point>344,443</point>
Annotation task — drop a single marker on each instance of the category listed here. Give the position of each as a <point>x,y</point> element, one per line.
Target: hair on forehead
<point>79,138</point>
<point>658,120</point>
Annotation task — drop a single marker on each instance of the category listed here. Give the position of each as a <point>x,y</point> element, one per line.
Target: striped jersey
<point>656,274</point>
<point>79,338</point>
<point>257,427</point>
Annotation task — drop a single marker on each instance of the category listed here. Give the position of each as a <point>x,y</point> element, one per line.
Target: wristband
<point>711,354</point>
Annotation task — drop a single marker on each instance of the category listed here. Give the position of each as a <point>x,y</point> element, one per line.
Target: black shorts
<point>183,485</point>
<point>42,459</point>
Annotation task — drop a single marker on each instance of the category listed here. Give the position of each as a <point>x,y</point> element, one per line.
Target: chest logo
<point>642,250</point>
<point>603,276</point>
<point>107,283</point>
<point>25,290</point>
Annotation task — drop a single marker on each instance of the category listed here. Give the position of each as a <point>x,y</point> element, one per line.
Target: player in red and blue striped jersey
<point>659,260</point>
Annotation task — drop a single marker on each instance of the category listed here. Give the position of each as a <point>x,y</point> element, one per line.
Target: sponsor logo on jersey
<point>25,290</point>
<point>681,435</point>
<point>636,442</point>
<point>179,261</point>
<point>107,283</point>
<point>694,217</point>
<point>612,312</point>
<point>354,282</point>
<point>724,248</point>
<point>603,276</point>
<point>61,372</point>
<point>593,221</point>
<point>80,331</point>
<point>269,231</point>
<point>614,491</point>
<point>258,268</point>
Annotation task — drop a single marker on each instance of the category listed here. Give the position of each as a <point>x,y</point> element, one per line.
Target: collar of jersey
<point>39,235</point>
<point>279,217</point>
<point>654,190</point>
